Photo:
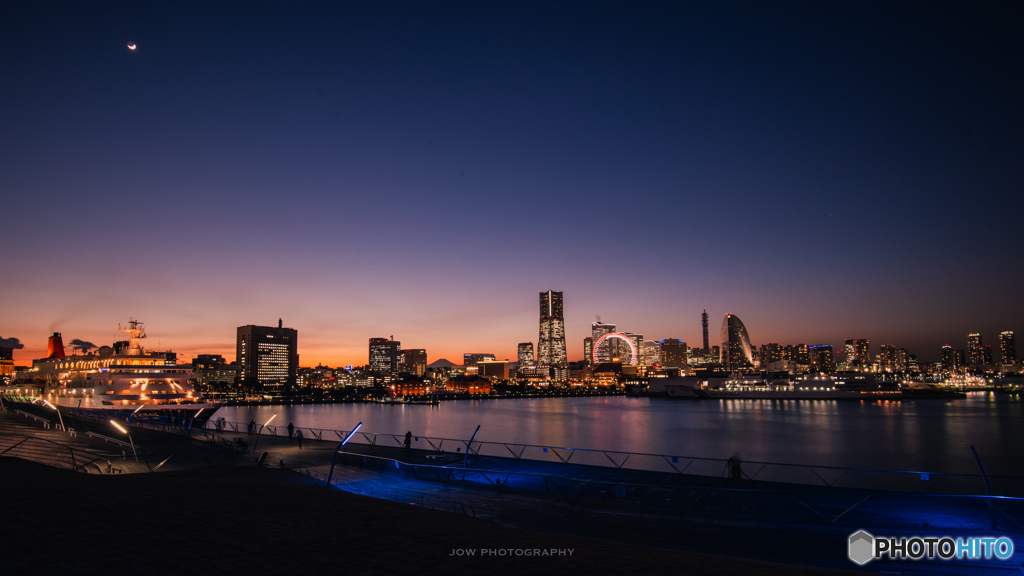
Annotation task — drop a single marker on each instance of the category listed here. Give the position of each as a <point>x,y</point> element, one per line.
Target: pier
<point>685,506</point>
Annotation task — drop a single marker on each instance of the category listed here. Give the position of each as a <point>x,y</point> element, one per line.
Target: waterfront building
<point>267,355</point>
<point>858,352</point>
<point>525,354</point>
<point>385,355</point>
<point>579,372</point>
<point>473,359</point>
<point>736,351</point>
<point>823,358</point>
<point>949,359</point>
<point>902,359</point>
<point>468,385</point>
<point>1007,348</point>
<point>610,349</point>
<point>771,352</point>
<point>588,350</point>
<point>411,386</point>
<point>6,361</point>
<point>213,368</point>
<point>493,369</point>
<point>414,361</point>
<point>802,357</point>
<point>886,358</point>
<point>534,374</point>
<point>638,344</point>
<point>551,344</point>
<point>652,353</point>
<point>673,353</point>
<point>975,351</point>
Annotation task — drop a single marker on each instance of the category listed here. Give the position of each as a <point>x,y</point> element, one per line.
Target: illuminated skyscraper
<point>1007,347</point>
<point>415,361</point>
<point>610,349</point>
<point>886,358</point>
<point>673,353</point>
<point>736,351</point>
<point>975,351</point>
<point>949,358</point>
<point>638,343</point>
<point>802,357</point>
<point>652,353</point>
<point>551,345</point>
<point>267,355</point>
<point>384,354</point>
<point>858,353</point>
<point>588,350</point>
<point>525,354</point>
<point>823,358</point>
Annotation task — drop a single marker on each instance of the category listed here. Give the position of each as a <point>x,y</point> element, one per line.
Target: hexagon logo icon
<point>861,547</point>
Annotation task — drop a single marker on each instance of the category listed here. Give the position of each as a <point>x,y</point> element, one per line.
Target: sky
<point>424,170</point>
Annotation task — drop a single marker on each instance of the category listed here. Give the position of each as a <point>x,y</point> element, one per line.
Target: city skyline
<point>507,348</point>
<point>825,172</point>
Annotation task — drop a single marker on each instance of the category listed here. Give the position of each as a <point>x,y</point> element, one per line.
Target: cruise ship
<point>838,386</point>
<point>122,378</point>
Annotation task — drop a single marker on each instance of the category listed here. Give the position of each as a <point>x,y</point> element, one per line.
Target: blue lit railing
<point>833,476</point>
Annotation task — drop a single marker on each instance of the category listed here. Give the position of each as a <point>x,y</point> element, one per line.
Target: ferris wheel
<point>618,336</point>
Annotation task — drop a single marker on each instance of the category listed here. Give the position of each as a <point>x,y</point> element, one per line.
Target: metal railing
<point>723,499</point>
<point>59,455</point>
<point>917,481</point>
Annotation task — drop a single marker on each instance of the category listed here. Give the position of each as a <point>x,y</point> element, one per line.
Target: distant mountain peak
<point>442,363</point>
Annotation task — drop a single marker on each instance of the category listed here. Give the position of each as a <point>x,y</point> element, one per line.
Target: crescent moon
<point>131,46</point>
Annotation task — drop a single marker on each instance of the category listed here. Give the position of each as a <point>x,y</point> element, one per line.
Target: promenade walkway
<point>791,523</point>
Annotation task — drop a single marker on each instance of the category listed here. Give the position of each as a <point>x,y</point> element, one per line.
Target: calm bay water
<point>929,435</point>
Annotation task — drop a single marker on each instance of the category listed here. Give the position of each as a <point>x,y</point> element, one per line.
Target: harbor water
<point>921,435</point>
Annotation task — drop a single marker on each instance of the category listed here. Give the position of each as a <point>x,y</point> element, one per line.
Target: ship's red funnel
<point>55,349</point>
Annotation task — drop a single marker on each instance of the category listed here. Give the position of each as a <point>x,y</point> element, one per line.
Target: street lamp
<point>343,442</point>
<point>58,415</point>
<point>255,444</point>
<point>132,415</point>
<point>123,431</point>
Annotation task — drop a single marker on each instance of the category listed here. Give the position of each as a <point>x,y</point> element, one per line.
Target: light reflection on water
<point>931,435</point>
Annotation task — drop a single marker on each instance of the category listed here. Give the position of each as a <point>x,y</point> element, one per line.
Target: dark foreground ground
<point>244,520</point>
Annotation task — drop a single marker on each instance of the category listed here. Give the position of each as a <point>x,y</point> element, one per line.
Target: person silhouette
<point>734,464</point>
<point>408,440</point>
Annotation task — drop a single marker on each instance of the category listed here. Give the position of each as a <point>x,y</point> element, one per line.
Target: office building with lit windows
<point>551,344</point>
<point>525,354</point>
<point>384,355</point>
<point>858,353</point>
<point>267,355</point>
<point>610,349</point>
<point>415,361</point>
<point>949,359</point>
<point>823,358</point>
<point>473,359</point>
<point>652,353</point>
<point>673,353</point>
<point>736,351</point>
<point>975,351</point>
<point>1007,348</point>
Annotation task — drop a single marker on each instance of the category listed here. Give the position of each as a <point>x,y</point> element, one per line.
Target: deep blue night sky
<point>823,170</point>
